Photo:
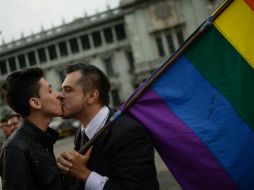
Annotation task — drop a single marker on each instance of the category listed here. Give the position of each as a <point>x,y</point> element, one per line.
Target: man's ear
<point>93,96</point>
<point>35,103</point>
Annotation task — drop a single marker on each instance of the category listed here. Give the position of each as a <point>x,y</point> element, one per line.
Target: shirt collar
<point>97,122</point>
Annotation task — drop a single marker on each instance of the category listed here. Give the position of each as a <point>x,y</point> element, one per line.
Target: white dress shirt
<point>96,181</point>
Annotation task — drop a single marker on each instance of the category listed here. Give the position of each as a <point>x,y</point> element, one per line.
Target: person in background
<point>14,121</point>
<point>3,122</point>
<point>27,161</point>
<point>10,124</point>
<point>123,157</point>
<point>7,130</point>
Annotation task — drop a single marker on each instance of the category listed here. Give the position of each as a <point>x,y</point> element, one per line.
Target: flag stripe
<point>228,138</point>
<point>179,147</point>
<point>227,71</point>
<point>236,24</point>
<point>250,3</point>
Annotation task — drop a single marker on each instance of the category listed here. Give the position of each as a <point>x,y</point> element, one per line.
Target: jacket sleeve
<point>15,170</point>
<point>133,162</point>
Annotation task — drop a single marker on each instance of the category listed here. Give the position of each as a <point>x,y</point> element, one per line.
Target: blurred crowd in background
<point>11,122</point>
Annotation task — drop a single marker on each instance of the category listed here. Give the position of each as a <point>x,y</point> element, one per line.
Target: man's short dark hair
<point>13,115</point>
<point>19,87</point>
<point>92,78</point>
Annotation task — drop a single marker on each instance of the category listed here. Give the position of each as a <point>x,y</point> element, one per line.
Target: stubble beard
<point>71,115</point>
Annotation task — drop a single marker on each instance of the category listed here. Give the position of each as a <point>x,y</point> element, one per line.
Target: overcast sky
<point>25,16</point>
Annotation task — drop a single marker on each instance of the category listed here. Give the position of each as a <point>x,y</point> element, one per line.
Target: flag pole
<point>197,33</point>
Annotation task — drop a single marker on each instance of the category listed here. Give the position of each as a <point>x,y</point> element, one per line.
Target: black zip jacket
<point>28,161</point>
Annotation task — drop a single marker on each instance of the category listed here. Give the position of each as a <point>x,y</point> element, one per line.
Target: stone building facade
<point>128,43</point>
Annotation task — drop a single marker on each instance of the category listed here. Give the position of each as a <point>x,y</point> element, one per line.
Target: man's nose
<point>60,96</point>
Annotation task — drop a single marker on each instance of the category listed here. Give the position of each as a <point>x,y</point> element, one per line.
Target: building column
<point>90,38</point>
<point>102,38</point>
<point>68,47</point>
<point>8,66</point>
<point>17,63</point>
<point>114,34</point>
<point>58,55</point>
<point>79,44</point>
<point>37,58</point>
<point>47,54</point>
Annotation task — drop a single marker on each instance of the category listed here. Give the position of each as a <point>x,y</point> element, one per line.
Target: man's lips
<point>62,104</point>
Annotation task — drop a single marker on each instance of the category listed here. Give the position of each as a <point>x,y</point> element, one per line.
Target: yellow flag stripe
<point>236,24</point>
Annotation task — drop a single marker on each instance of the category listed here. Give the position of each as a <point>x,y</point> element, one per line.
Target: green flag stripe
<point>226,70</point>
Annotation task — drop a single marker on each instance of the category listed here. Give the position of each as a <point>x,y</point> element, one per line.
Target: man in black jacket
<point>123,157</point>
<point>27,158</point>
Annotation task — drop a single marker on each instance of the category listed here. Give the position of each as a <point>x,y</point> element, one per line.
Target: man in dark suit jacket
<point>123,157</point>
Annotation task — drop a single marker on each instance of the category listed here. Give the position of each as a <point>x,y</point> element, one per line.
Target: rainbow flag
<point>200,110</point>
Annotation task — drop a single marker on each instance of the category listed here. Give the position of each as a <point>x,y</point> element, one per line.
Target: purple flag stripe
<point>179,147</point>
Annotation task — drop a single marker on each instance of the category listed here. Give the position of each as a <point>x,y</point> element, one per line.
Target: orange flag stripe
<point>250,3</point>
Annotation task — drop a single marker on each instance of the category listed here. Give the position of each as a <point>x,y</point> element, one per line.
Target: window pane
<point>109,66</point>
<point>42,55</point>
<point>85,42</point>
<point>180,37</point>
<point>63,49</point>
<point>22,61</point>
<point>130,60</point>
<point>52,52</point>
<point>171,45</point>
<point>108,35</point>
<point>120,32</point>
<point>31,58</point>
<point>12,64</point>
<point>74,45</point>
<point>160,46</point>
<point>3,68</point>
<point>97,39</point>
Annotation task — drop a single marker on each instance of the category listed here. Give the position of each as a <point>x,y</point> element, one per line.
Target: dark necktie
<point>84,138</point>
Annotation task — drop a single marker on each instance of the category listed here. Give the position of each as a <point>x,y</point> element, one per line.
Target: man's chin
<point>58,114</point>
<point>65,117</point>
<point>68,114</point>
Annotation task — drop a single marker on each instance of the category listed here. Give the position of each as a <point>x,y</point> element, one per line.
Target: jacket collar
<point>47,139</point>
